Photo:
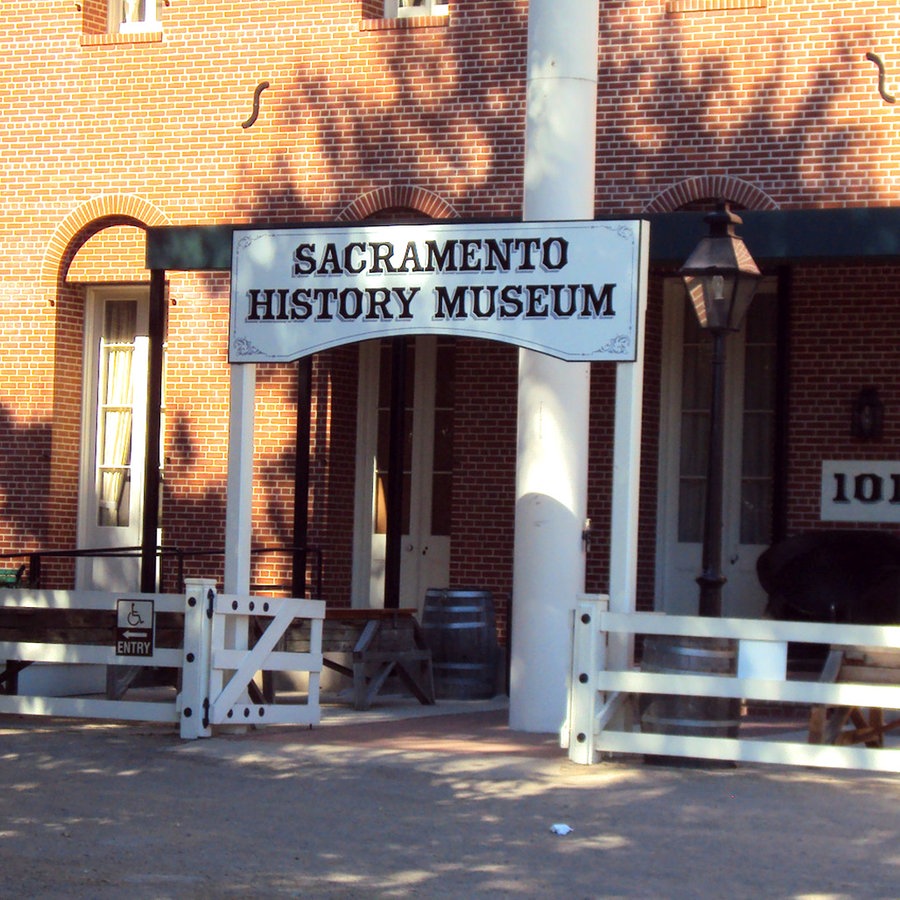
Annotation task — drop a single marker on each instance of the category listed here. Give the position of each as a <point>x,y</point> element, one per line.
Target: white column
<point>239,502</point>
<point>238,510</point>
<point>626,482</point>
<point>551,478</point>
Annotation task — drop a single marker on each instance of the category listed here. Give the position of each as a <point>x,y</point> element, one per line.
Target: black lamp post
<point>721,278</point>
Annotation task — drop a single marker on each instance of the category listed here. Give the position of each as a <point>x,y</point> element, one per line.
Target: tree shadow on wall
<point>439,108</point>
<point>433,108</point>
<point>755,113</point>
<point>443,109</point>
<point>23,501</point>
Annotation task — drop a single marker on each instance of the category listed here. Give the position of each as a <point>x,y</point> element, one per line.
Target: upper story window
<point>398,9</point>
<point>105,22</point>
<point>130,16</point>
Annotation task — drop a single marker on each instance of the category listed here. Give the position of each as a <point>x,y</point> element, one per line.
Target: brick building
<point>122,117</point>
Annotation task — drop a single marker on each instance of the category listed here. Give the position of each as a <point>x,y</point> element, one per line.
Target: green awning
<point>772,236</point>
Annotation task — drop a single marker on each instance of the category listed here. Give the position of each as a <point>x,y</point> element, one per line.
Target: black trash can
<point>834,576</point>
<point>461,632</point>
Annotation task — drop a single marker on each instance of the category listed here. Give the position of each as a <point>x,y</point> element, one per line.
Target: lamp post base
<point>710,601</point>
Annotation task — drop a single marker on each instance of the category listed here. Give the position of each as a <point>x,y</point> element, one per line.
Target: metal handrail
<point>259,551</point>
<point>35,558</point>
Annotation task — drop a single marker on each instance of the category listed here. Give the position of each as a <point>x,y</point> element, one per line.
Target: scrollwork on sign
<point>245,347</point>
<point>619,344</point>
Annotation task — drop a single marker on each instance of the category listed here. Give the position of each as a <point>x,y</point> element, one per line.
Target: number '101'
<point>866,488</point>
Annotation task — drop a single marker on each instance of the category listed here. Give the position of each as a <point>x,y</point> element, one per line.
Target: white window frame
<point>396,9</point>
<point>102,573</point>
<point>150,21</point>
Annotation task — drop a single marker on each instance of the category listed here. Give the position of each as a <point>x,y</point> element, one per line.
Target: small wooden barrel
<point>460,630</point>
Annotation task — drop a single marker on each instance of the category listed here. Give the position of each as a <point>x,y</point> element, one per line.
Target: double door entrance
<point>750,459</point>
<point>426,446</point>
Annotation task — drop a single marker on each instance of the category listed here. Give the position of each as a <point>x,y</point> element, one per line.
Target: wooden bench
<point>12,577</point>
<point>829,724</point>
<point>380,642</point>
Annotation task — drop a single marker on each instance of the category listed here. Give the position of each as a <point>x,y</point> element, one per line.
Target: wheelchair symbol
<point>134,617</point>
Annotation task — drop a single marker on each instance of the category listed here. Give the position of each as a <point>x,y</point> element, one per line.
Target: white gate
<point>215,670</point>
<point>599,693</point>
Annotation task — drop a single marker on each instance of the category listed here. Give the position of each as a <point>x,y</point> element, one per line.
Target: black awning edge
<point>770,235</point>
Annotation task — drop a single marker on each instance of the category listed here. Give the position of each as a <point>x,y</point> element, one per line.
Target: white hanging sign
<point>569,289</point>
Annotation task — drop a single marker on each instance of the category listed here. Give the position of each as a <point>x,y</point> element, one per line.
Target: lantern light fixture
<point>867,422</point>
<point>720,275</point>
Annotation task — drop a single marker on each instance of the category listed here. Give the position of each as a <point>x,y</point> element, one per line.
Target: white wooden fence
<point>215,662</point>
<point>599,696</point>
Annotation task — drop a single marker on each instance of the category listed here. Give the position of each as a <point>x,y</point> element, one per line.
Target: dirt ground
<point>443,806</point>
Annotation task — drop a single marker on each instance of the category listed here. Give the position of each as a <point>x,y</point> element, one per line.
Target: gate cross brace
<point>252,663</point>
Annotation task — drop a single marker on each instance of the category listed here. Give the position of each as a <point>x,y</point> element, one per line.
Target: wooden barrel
<point>689,716</point>
<point>460,630</point>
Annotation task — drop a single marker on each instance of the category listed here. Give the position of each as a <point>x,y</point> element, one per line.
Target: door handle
<point>734,558</point>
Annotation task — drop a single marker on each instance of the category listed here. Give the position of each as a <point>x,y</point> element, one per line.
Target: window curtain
<point>115,412</point>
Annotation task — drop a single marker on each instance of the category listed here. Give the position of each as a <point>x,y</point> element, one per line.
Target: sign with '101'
<point>860,491</point>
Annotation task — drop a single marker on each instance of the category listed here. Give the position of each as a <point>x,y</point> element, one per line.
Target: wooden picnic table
<point>844,725</point>
<point>380,642</point>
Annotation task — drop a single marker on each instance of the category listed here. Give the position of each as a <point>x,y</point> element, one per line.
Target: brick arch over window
<point>404,196</point>
<point>705,186</point>
<point>83,223</point>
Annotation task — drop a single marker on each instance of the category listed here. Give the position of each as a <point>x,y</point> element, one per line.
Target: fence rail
<point>601,697</point>
<point>217,665</point>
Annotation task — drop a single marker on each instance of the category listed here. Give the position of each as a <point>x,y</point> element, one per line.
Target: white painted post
<point>762,659</point>
<point>239,508</point>
<point>623,540</point>
<point>239,501</point>
<point>194,706</point>
<point>551,478</point>
<point>588,658</point>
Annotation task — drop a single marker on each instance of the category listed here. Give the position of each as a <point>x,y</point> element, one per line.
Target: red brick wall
<point>778,94</point>
<point>646,581</point>
<point>846,320</point>
<point>332,468</point>
<point>94,16</point>
<point>484,499</point>
<point>775,95</point>
<point>113,254</point>
<point>600,456</point>
<point>196,438</point>
<point>63,385</point>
